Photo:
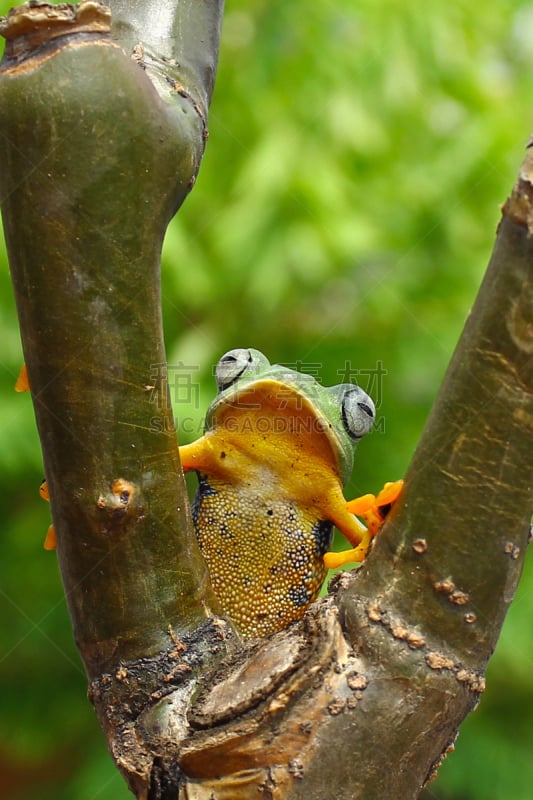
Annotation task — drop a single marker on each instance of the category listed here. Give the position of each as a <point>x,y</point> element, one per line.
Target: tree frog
<point>276,452</point>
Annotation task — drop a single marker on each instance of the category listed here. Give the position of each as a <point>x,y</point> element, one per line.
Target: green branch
<point>178,40</point>
<point>451,558</point>
<point>94,163</point>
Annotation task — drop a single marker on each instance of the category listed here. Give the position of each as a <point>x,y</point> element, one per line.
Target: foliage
<point>342,220</point>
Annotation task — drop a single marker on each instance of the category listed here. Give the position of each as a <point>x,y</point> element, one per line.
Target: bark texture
<point>96,158</point>
<point>101,136</point>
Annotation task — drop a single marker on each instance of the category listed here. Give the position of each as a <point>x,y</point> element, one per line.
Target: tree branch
<point>425,610</point>
<point>179,40</point>
<point>469,494</point>
<point>95,162</point>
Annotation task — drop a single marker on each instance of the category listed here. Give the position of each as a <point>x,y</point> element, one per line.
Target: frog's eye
<point>231,366</point>
<point>358,412</point>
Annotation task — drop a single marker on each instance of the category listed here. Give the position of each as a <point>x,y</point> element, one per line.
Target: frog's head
<point>247,382</point>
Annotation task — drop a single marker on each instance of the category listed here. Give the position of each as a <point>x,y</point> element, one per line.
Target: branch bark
<point>425,611</point>
<point>98,149</point>
<point>96,158</point>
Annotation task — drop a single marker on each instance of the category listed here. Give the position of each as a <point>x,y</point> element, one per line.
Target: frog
<point>276,452</point>
<point>270,508</point>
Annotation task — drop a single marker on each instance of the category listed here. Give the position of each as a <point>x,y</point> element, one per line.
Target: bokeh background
<point>341,222</point>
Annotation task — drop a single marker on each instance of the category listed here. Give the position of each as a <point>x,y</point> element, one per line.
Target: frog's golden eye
<point>231,366</point>
<point>358,412</point>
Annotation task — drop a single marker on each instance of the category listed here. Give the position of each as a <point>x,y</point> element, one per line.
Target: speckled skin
<point>281,569</point>
<point>271,466</point>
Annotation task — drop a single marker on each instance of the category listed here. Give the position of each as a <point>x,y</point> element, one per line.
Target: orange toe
<point>50,542</point>
<point>354,556</point>
<point>389,494</point>
<point>360,505</point>
<point>22,384</point>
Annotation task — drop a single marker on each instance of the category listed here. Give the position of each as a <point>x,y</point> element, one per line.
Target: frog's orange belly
<point>265,556</point>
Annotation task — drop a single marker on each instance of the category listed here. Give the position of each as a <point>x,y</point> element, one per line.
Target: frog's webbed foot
<point>374,511</point>
<point>22,383</point>
<point>50,542</point>
<point>354,556</point>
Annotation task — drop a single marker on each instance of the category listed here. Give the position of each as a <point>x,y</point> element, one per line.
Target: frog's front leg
<point>199,456</point>
<point>374,511</point>
<point>356,533</point>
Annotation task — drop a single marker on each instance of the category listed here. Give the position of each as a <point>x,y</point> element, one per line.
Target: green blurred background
<point>342,221</point>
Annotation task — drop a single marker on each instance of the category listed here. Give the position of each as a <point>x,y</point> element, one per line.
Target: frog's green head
<point>246,380</point>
